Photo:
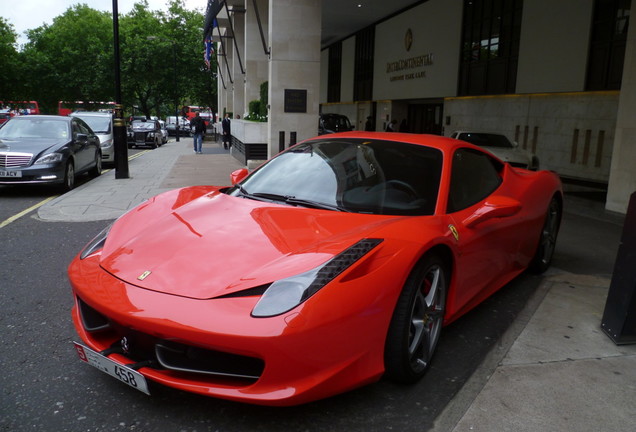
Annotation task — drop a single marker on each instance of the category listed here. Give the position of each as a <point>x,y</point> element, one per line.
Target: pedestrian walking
<point>198,126</point>
<point>227,135</point>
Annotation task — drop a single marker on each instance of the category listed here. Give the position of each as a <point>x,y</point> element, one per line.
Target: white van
<point>102,125</point>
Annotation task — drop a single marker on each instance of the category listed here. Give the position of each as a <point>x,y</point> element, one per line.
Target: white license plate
<point>122,373</point>
<point>10,173</point>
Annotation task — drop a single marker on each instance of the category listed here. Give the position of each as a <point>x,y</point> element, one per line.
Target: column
<point>294,69</point>
<point>622,181</point>
<point>256,60</point>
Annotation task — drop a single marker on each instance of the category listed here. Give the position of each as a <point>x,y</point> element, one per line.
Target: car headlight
<point>107,143</point>
<point>50,158</point>
<point>97,243</point>
<point>285,294</point>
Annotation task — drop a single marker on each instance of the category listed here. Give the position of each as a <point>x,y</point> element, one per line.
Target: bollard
<point>619,317</point>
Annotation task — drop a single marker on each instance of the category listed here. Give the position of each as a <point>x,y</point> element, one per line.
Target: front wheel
<point>417,321</point>
<point>97,169</point>
<point>69,177</point>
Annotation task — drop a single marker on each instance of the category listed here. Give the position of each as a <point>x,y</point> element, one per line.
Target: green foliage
<point>9,60</point>
<point>73,59</point>
<point>258,108</point>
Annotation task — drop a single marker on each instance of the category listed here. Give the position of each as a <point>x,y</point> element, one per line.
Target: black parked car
<point>145,133</point>
<point>332,123</point>
<point>47,149</point>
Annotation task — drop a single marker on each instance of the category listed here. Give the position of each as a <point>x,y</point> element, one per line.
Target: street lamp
<point>176,91</point>
<point>119,124</point>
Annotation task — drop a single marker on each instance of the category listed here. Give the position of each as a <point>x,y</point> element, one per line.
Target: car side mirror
<point>238,175</point>
<point>494,207</point>
<point>81,138</point>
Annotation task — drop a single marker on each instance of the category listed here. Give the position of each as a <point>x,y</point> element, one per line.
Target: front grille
<point>15,160</point>
<point>174,356</point>
<point>140,136</point>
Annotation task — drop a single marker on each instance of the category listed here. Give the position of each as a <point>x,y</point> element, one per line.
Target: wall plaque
<point>295,101</point>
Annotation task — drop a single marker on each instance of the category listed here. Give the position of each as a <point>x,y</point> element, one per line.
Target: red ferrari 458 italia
<point>335,263</point>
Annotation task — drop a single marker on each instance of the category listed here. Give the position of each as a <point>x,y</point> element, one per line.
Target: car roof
<point>90,113</point>
<point>42,117</point>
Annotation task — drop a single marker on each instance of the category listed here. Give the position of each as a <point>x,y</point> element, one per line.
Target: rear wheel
<point>547,241</point>
<point>417,321</point>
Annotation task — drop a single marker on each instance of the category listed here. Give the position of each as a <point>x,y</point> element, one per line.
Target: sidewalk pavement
<point>553,369</point>
<point>152,172</point>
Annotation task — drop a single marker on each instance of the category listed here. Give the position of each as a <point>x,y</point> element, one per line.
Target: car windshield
<point>486,140</point>
<point>34,127</point>
<point>143,125</point>
<point>99,124</point>
<point>354,175</point>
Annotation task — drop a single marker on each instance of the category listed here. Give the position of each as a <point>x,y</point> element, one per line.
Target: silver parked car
<point>102,125</point>
<point>500,146</point>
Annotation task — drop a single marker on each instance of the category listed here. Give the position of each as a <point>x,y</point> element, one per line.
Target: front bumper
<point>44,173</point>
<point>217,349</point>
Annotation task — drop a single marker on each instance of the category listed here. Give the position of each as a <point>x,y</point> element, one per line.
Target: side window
<point>474,176</point>
<point>76,129</point>
<point>83,128</point>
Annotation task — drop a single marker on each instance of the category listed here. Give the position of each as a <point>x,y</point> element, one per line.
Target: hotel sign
<point>411,67</point>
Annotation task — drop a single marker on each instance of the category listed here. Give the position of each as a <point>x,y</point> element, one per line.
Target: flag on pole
<point>208,51</point>
<point>213,9</point>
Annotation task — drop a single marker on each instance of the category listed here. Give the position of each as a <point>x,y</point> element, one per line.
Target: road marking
<point>41,203</point>
<point>25,212</point>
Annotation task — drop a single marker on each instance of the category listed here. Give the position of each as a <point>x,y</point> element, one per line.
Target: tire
<point>96,171</point>
<point>547,240</point>
<point>417,321</point>
<point>154,144</point>
<point>69,177</point>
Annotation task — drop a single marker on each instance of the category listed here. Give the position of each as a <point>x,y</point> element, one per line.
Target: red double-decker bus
<point>189,111</point>
<point>64,108</point>
<point>20,107</point>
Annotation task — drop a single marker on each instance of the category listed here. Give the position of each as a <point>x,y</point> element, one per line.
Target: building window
<point>607,44</point>
<point>490,46</point>
<point>363,69</point>
<point>335,72</point>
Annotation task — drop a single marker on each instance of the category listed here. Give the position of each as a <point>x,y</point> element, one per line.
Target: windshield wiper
<point>288,199</point>
<point>314,204</point>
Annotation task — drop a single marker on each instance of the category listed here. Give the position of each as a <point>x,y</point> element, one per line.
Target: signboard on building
<point>295,101</point>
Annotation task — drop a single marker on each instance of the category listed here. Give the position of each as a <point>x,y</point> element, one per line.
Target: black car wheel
<point>417,321</point>
<point>97,169</point>
<point>69,177</point>
<point>547,240</point>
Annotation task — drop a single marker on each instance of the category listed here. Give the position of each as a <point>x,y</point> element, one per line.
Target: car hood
<point>217,244</point>
<point>34,146</point>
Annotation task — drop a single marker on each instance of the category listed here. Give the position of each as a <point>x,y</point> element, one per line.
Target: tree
<point>9,60</point>
<point>72,58</point>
